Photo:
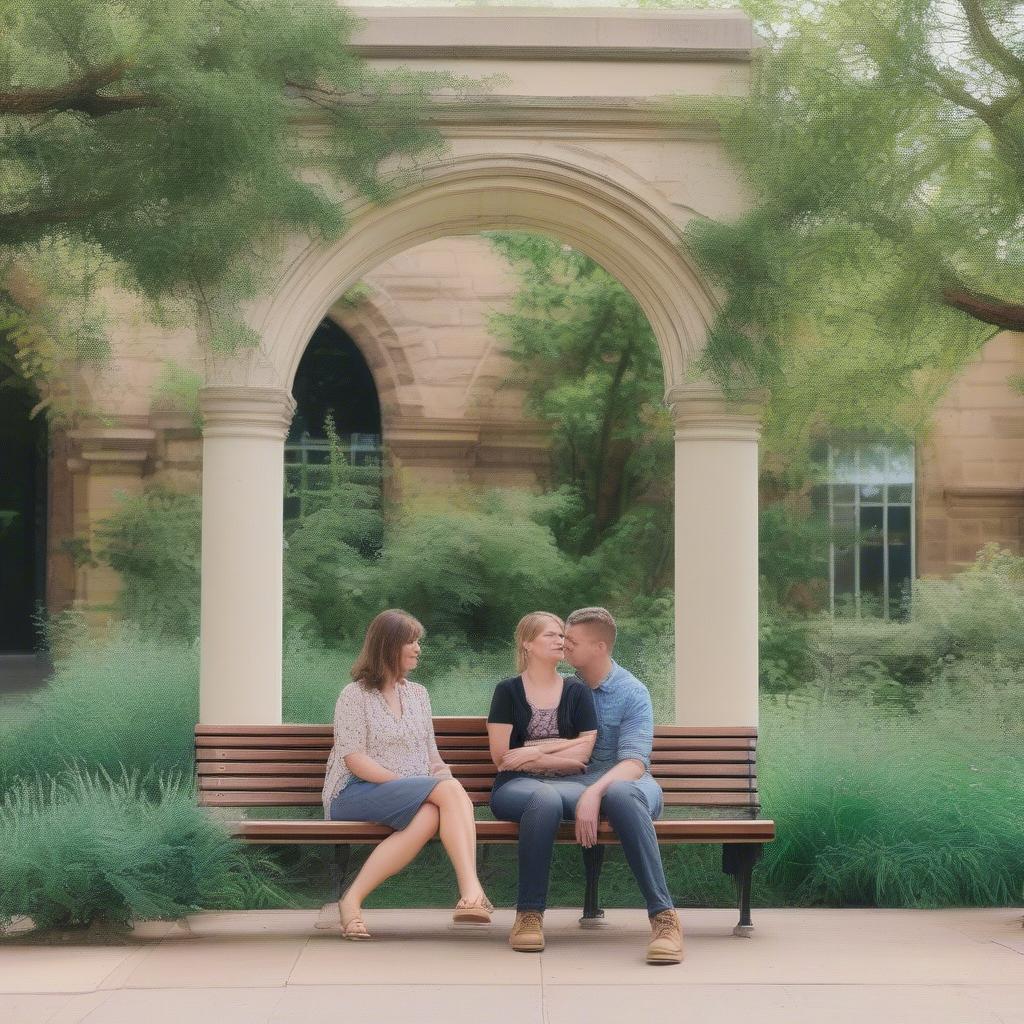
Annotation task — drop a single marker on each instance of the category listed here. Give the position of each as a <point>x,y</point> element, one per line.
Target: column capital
<point>702,410</point>
<point>246,412</point>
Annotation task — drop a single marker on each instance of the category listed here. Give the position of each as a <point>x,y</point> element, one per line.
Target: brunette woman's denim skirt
<point>393,803</point>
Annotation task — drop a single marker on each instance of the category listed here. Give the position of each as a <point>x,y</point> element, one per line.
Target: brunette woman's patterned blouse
<point>364,724</point>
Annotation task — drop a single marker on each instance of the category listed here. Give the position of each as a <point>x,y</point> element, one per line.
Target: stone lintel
<point>555,34</point>
<point>975,499</point>
<point>111,450</point>
<point>468,442</point>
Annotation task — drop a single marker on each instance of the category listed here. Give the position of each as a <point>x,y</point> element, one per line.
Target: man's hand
<point>588,810</point>
<point>514,760</point>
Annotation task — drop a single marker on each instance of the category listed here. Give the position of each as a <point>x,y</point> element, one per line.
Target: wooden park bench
<point>710,770</point>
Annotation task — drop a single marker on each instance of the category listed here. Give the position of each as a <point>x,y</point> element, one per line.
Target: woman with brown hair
<point>384,767</point>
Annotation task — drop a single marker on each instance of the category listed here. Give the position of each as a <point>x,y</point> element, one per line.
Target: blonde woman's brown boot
<point>528,932</point>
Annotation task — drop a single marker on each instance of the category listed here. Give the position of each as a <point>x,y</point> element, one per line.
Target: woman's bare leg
<point>388,858</point>
<point>458,834</point>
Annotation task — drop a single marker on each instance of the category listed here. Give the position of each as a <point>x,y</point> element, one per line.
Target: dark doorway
<point>333,380</point>
<point>23,458</point>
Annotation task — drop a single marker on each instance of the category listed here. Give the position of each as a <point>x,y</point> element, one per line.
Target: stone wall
<point>450,413</point>
<point>971,465</point>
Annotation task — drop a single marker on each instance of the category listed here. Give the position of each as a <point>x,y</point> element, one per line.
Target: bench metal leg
<point>339,869</point>
<point>593,915</point>
<point>738,860</point>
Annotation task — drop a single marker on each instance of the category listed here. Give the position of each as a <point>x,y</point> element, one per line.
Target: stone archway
<point>499,174</point>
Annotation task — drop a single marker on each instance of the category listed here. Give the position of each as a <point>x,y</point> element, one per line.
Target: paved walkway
<point>880,966</point>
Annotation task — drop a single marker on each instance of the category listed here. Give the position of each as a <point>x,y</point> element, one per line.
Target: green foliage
<point>125,701</point>
<point>330,575</point>
<point>977,613</point>
<point>879,801</point>
<point>883,155</point>
<point>83,847</point>
<point>472,571</point>
<point>153,541</point>
<point>875,808</point>
<point>965,628</point>
<point>161,147</point>
<point>784,649</point>
<point>792,552</point>
<point>593,371</point>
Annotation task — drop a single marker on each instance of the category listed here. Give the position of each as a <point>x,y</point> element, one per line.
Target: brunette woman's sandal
<point>476,911</point>
<point>354,929</point>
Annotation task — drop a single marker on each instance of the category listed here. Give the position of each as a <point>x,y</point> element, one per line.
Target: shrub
<point>881,808</point>
<point>472,572</point>
<point>979,612</point>
<point>83,848</point>
<point>784,649</point>
<point>153,541</point>
<point>792,551</point>
<point>122,701</point>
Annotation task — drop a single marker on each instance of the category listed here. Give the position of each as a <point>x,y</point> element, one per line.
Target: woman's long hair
<point>380,660</point>
<point>530,627</point>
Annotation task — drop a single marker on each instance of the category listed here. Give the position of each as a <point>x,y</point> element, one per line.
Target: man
<point>618,782</point>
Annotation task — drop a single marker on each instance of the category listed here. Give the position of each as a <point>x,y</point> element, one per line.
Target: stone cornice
<point>548,116</point>
<point>580,115</point>
<point>467,441</point>
<point>118,449</point>
<point>555,35</point>
<point>984,497</point>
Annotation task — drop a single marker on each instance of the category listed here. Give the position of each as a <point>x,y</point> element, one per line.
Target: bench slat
<point>661,771</point>
<point>447,725</point>
<point>698,831</point>
<point>281,740</point>
<point>445,743</point>
<point>206,768</point>
<point>262,754</point>
<point>312,797</point>
<point>272,784</point>
<point>659,757</point>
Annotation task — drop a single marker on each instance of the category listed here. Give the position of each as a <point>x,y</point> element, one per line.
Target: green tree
<point>331,576</point>
<point>169,147</point>
<point>883,146</point>
<point>593,371</point>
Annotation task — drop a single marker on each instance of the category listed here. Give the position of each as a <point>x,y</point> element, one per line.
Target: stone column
<point>716,567</point>
<point>243,492</point>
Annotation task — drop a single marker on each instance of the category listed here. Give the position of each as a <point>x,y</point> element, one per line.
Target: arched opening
<point>628,227</point>
<point>23,501</point>
<point>334,391</point>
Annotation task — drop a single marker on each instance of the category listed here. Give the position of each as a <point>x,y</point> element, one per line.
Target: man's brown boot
<point>528,932</point>
<point>666,945</point>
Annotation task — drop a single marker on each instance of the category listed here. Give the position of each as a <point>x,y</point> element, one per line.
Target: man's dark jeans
<point>541,805</point>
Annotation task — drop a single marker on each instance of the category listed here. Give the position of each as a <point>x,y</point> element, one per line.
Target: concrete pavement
<point>273,967</point>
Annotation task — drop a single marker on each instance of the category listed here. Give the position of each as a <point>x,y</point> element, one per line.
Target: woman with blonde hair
<point>384,767</point>
<point>541,730</point>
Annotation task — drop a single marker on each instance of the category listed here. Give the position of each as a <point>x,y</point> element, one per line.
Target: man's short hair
<point>600,618</point>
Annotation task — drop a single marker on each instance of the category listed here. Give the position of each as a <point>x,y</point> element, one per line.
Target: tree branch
<point>1000,56</point>
<point>992,114</point>
<point>987,308</point>
<point>81,94</point>
<point>22,224</point>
